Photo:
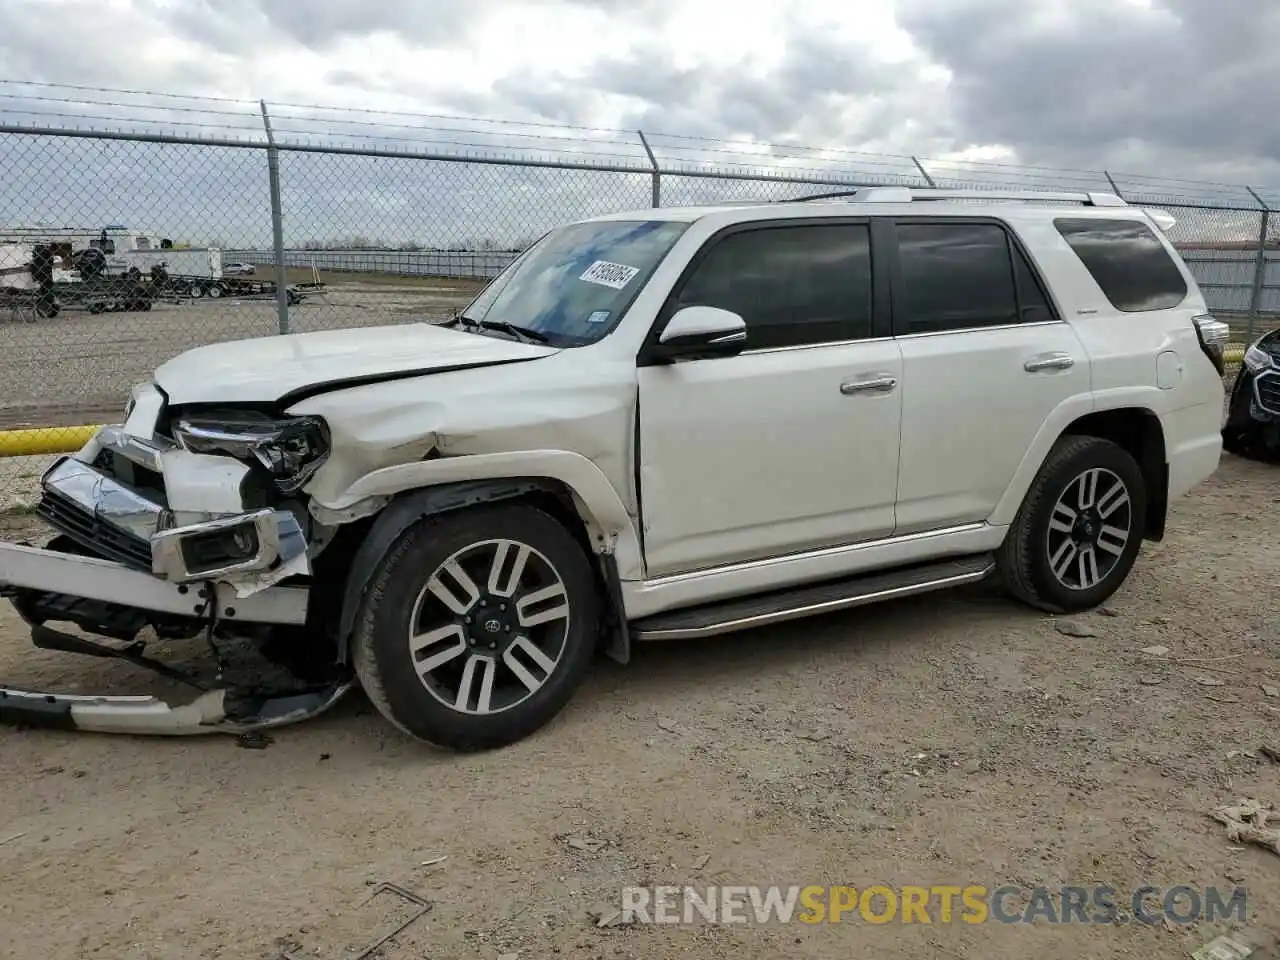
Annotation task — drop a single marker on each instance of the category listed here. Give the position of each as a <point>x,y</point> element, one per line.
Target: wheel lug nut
<point>508,629</point>
<point>502,606</point>
<point>493,646</point>
<point>467,619</point>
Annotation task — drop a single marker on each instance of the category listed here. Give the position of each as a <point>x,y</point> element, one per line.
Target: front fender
<point>602,510</point>
<point>432,486</point>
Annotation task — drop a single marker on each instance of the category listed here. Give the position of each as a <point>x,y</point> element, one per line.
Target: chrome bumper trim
<point>281,544</point>
<point>279,537</point>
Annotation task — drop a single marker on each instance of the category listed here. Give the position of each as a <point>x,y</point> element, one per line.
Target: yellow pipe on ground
<point>41,441</point>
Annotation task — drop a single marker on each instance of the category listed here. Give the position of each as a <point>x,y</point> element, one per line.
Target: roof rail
<point>912,194</point>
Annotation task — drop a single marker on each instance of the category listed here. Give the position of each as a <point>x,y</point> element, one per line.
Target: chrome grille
<point>91,532</point>
<point>1267,392</point>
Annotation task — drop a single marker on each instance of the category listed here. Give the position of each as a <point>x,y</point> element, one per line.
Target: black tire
<point>388,668</point>
<point>1026,558</point>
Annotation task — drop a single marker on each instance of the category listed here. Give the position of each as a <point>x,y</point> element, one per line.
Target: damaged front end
<point>184,529</point>
<point>1252,427</point>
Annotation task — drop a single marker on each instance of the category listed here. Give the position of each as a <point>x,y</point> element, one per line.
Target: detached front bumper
<point>151,535</point>
<point>141,525</point>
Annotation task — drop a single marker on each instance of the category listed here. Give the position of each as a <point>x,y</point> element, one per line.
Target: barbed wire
<point>202,117</point>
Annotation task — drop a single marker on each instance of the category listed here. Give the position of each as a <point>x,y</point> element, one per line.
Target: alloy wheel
<point>1089,528</point>
<point>489,627</point>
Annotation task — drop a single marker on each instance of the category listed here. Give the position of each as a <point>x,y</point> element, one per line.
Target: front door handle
<point>873,384</point>
<point>1049,361</point>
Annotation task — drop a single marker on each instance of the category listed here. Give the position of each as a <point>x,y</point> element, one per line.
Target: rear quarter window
<point>1127,260</point>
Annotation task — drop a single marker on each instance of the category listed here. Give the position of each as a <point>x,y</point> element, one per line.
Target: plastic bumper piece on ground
<point>217,711</point>
<point>212,711</point>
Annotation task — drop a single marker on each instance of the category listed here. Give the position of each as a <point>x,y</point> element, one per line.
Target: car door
<point>792,444</point>
<point>985,359</point>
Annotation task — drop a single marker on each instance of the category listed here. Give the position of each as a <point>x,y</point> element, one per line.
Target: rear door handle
<point>876,383</point>
<point>1049,361</point>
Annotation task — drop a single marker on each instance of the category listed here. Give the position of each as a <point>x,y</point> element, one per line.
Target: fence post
<point>657,171</point>
<point>1259,266</point>
<point>923,172</point>
<point>277,223</point>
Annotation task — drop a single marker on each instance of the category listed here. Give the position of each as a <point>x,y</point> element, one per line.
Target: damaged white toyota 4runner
<point>666,424</point>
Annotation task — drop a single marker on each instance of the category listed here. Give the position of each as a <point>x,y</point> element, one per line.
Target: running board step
<point>763,609</point>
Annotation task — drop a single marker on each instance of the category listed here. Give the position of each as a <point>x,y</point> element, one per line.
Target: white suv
<point>669,423</point>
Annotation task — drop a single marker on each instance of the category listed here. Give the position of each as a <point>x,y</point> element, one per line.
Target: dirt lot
<point>77,367</point>
<point>961,740</point>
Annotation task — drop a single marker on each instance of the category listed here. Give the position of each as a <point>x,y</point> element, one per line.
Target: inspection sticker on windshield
<point>599,316</point>
<point>616,275</point>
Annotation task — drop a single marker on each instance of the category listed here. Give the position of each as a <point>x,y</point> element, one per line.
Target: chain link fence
<point>119,250</point>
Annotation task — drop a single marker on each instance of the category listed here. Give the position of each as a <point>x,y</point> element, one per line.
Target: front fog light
<point>202,552</point>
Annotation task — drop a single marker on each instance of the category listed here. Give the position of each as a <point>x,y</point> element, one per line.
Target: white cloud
<point>1160,87</point>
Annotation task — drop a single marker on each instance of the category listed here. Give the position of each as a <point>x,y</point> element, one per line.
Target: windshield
<point>574,284</point>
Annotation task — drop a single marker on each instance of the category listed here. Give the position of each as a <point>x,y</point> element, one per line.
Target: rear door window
<point>960,276</point>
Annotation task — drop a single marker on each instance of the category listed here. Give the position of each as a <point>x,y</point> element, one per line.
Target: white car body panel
<point>728,474</point>
<point>969,411</point>
<point>265,369</point>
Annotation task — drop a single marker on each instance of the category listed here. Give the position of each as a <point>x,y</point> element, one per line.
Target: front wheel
<point>1079,529</point>
<point>478,627</point>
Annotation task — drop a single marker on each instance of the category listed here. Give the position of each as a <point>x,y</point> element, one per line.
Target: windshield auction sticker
<point>615,275</point>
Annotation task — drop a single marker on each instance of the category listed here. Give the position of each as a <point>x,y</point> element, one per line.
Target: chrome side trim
<point>822,553</point>
<point>961,331</point>
<point>757,351</point>
<point>812,609</point>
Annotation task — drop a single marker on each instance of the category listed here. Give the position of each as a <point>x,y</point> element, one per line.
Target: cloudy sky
<point>1169,88</point>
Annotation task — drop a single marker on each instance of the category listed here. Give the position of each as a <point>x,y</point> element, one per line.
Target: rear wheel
<point>1079,529</point>
<point>478,627</point>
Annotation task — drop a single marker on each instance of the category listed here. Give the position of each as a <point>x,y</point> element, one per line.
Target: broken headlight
<point>289,450</point>
<point>1256,359</point>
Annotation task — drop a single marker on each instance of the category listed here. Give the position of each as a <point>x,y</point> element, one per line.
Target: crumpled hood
<point>269,369</point>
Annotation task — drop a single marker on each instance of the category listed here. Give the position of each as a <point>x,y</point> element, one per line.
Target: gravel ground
<point>961,740</point>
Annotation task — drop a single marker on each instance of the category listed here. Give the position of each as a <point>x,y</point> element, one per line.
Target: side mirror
<point>698,333</point>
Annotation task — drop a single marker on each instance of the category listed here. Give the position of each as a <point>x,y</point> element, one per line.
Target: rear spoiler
<point>1163,219</point>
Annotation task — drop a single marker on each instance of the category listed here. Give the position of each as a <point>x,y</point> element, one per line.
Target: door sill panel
<point>649,597</point>
<point>781,606</point>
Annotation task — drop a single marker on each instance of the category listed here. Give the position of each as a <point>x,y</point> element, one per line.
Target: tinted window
<point>792,285</point>
<point>1033,305</point>
<point>574,284</point>
<point>1128,261</point>
<point>954,275</point>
